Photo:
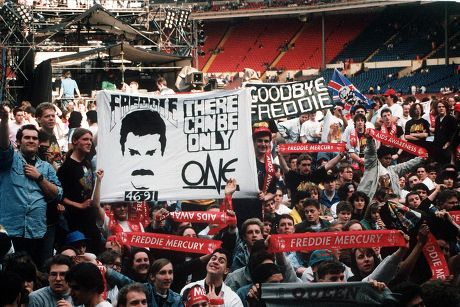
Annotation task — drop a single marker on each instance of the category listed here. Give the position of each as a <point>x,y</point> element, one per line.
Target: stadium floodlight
<point>24,14</point>
<point>170,18</point>
<point>183,16</point>
<point>10,16</point>
<point>176,18</point>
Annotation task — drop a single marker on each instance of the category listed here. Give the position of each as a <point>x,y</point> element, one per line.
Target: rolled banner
<point>269,171</point>
<point>314,147</point>
<point>335,240</point>
<point>391,140</point>
<point>435,258</point>
<point>169,242</point>
<point>219,218</point>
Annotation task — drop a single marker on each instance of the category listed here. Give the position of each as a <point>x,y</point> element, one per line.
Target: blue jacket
<point>22,202</point>
<point>173,299</point>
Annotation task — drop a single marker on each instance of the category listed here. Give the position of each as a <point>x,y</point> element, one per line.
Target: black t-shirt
<point>417,126</point>
<point>77,182</point>
<point>293,178</point>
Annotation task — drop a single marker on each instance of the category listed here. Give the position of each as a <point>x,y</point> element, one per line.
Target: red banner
<point>435,259</point>
<point>169,242</point>
<point>335,240</point>
<point>393,141</point>
<point>218,218</point>
<point>269,171</point>
<point>313,147</point>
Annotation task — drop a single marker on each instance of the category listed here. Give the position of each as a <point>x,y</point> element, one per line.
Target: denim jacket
<point>22,202</point>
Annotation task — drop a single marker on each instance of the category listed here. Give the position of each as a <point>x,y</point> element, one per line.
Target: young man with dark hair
<point>133,295</point>
<point>15,125</point>
<point>390,127</point>
<point>330,271</point>
<point>86,285</point>
<point>312,222</point>
<point>27,186</point>
<point>217,268</point>
<point>57,293</point>
<point>251,231</point>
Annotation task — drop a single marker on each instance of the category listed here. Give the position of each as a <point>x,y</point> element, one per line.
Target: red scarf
<point>384,129</point>
<point>432,120</point>
<point>354,138</point>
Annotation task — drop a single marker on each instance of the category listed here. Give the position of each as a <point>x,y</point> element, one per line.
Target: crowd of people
<point>59,245</point>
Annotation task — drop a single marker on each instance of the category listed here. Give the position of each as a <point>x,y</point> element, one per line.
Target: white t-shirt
<point>396,110</point>
<point>309,129</point>
<point>104,304</point>
<point>14,127</point>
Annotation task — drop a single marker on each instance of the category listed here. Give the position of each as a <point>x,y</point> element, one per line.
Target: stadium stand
<point>253,44</point>
<point>214,33</point>
<point>373,37</point>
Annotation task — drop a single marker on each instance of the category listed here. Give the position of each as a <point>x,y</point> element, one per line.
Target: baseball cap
<point>196,295</point>
<point>319,256</point>
<point>73,237</point>
<point>261,129</point>
<point>390,92</point>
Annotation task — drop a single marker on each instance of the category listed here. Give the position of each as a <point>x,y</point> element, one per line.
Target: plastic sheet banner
<point>325,294</point>
<point>278,100</point>
<point>175,147</point>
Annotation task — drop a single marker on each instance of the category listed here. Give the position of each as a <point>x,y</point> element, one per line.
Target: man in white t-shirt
<point>422,174</point>
<point>16,124</point>
<point>216,269</point>
<point>391,100</point>
<point>310,132</point>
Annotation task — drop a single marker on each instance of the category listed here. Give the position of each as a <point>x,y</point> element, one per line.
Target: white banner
<point>175,147</point>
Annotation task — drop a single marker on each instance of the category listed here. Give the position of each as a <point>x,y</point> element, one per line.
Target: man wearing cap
<point>316,258</point>
<point>252,208</point>
<point>391,102</point>
<point>28,186</point>
<point>77,240</point>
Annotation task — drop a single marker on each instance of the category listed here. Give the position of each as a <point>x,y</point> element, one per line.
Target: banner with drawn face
<point>175,147</point>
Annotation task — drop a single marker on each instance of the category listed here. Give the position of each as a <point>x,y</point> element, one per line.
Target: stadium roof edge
<point>296,10</point>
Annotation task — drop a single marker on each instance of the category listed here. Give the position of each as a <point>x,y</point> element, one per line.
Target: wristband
<point>40,178</point>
